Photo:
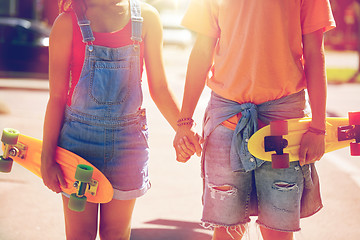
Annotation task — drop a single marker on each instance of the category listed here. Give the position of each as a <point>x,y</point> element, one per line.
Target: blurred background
<point>172,209</point>
<point>25,27</point>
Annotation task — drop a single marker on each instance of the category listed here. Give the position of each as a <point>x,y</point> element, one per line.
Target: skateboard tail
<point>29,157</point>
<point>24,152</point>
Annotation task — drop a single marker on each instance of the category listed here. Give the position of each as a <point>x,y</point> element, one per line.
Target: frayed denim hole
<point>222,191</point>
<point>284,186</point>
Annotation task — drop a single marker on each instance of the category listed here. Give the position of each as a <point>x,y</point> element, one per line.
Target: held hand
<point>312,148</point>
<point>186,143</point>
<point>53,177</point>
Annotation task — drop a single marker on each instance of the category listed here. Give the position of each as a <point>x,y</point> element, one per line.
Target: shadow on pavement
<point>182,231</point>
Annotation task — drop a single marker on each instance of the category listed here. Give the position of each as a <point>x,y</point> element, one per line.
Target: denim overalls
<point>105,123</point>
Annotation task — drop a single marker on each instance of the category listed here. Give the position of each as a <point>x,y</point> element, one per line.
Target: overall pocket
<point>109,83</point>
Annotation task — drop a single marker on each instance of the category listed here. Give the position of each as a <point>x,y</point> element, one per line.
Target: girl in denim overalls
<point>100,118</point>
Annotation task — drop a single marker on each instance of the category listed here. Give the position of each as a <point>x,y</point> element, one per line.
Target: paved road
<point>172,208</point>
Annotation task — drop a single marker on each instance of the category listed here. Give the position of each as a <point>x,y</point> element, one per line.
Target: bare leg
<point>115,219</point>
<point>80,225</point>
<point>269,234</point>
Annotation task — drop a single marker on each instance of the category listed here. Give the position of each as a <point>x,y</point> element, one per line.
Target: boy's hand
<point>312,148</point>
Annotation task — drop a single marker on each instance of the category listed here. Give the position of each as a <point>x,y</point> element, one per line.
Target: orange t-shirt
<point>259,54</point>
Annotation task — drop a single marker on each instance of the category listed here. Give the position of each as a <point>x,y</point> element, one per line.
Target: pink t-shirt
<point>115,39</point>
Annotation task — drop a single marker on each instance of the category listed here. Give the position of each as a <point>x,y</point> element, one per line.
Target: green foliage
<point>342,75</point>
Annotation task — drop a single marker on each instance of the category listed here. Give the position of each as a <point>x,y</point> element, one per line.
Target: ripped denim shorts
<point>230,198</point>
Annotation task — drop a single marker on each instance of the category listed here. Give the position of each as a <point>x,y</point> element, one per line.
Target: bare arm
<point>200,61</point>
<point>59,69</point>
<point>158,85</point>
<point>313,146</point>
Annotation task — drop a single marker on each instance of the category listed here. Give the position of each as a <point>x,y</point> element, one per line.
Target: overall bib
<point>105,123</point>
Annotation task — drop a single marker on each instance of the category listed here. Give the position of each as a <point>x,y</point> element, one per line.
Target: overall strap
<point>83,23</point>
<point>136,21</point>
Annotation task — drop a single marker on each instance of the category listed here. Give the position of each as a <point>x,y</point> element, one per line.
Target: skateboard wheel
<point>77,203</point>
<point>10,136</point>
<point>280,161</point>
<point>279,128</point>
<point>354,118</point>
<point>84,173</point>
<point>355,149</point>
<point>5,164</point>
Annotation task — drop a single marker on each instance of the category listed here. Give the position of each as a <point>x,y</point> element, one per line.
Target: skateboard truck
<point>18,150</point>
<point>12,148</point>
<point>275,143</point>
<point>84,183</point>
<point>351,131</point>
<point>90,187</point>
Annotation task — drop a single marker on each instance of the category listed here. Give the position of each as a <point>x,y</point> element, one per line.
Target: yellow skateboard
<point>84,181</point>
<point>279,142</point>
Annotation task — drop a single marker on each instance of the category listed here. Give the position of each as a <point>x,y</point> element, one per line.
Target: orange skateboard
<point>84,181</point>
<point>279,142</point>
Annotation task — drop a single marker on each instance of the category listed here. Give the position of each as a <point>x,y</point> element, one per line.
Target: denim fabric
<point>109,84</point>
<point>272,194</point>
<point>220,109</point>
<point>105,123</point>
<point>239,165</point>
<point>117,147</point>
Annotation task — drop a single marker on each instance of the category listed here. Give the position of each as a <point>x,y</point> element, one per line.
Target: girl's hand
<point>186,143</point>
<point>312,148</point>
<point>52,176</point>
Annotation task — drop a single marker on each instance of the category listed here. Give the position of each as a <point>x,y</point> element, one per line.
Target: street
<point>171,210</point>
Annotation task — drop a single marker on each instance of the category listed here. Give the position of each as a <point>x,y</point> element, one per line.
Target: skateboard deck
<point>268,146</point>
<point>26,151</point>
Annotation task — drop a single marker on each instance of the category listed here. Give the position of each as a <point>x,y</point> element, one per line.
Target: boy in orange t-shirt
<point>260,58</point>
